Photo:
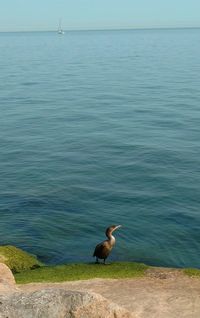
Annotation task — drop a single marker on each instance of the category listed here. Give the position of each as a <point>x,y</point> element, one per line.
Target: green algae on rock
<point>192,272</point>
<point>70,272</point>
<point>18,260</point>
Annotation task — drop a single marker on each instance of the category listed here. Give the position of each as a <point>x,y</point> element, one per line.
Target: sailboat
<point>60,30</point>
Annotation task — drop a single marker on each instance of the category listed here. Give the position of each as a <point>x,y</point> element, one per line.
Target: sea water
<point>100,128</point>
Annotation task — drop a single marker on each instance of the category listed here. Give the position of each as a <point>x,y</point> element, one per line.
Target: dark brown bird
<point>103,249</point>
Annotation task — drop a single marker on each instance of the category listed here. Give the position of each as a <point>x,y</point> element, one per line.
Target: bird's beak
<point>118,226</point>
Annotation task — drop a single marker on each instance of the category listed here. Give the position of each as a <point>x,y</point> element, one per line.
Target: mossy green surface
<point>17,260</point>
<point>72,272</point>
<point>192,272</point>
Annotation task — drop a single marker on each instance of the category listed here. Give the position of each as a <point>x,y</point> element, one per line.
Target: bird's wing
<point>98,248</point>
<point>102,250</point>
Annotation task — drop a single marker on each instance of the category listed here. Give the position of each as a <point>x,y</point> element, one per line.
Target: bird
<point>103,249</point>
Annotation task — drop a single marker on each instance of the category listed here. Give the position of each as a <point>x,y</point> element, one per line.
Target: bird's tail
<point>94,254</point>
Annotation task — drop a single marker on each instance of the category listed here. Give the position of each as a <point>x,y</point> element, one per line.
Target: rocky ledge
<point>52,302</point>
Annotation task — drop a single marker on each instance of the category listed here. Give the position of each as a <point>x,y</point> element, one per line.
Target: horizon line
<point>106,29</point>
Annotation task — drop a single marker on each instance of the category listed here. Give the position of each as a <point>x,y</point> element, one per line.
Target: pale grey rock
<point>58,303</point>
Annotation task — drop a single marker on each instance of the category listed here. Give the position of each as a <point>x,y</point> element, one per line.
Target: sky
<point>30,15</point>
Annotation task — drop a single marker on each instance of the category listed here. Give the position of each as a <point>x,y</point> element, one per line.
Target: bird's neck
<point>111,239</point>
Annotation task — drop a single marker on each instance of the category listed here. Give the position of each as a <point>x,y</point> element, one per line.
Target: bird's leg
<point>104,261</point>
<point>97,261</point>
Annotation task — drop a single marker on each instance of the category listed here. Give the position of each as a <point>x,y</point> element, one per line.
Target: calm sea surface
<point>101,128</point>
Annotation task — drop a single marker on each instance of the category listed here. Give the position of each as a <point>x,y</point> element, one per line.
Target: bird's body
<point>104,248</point>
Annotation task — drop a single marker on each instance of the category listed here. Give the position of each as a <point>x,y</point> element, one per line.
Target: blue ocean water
<point>101,128</point>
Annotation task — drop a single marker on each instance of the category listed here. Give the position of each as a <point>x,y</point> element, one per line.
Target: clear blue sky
<point>28,15</point>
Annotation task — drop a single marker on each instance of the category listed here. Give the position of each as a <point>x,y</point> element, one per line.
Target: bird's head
<point>111,229</point>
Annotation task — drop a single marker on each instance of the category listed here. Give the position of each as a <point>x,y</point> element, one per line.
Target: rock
<point>7,281</point>
<point>18,260</point>
<point>163,273</point>
<point>58,303</point>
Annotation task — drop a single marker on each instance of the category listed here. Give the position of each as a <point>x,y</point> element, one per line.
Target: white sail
<point>60,30</point>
